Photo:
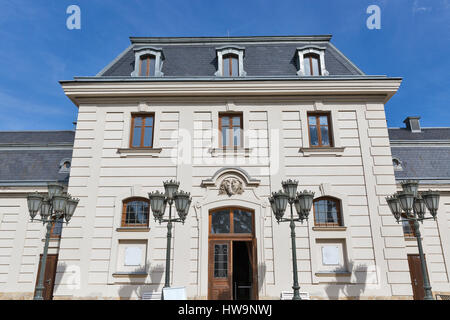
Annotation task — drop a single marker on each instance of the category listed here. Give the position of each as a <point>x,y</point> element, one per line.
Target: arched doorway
<point>232,261</point>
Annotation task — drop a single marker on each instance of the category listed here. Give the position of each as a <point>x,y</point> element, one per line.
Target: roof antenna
<point>228,33</point>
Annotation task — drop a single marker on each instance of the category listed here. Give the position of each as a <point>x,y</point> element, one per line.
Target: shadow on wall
<point>352,290</point>
<point>131,291</point>
<point>261,275</point>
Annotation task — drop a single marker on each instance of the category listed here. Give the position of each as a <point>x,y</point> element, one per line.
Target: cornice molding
<point>98,89</point>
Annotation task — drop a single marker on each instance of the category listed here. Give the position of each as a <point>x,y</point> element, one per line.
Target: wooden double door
<point>415,271</point>
<point>232,260</point>
<point>49,276</point>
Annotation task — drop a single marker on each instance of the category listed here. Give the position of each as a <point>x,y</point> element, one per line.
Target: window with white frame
<point>311,61</point>
<point>230,62</point>
<point>148,62</point>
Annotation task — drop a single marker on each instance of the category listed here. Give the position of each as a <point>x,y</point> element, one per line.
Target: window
<point>230,65</point>
<point>135,212</point>
<point>397,164</point>
<point>327,212</point>
<point>56,230</point>
<point>230,128</point>
<point>147,66</point>
<point>319,130</point>
<point>312,65</point>
<point>142,131</point>
<point>230,62</point>
<point>408,227</point>
<point>231,220</point>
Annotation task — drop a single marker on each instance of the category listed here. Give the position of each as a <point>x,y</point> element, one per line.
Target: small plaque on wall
<point>330,255</point>
<point>133,256</point>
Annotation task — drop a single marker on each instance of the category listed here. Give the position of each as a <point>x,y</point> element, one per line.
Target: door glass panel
<point>325,136</point>
<point>226,66</point>
<point>307,65</point>
<point>234,67</point>
<point>315,65</point>
<point>220,222</point>
<point>220,260</point>
<point>136,137</point>
<point>242,221</point>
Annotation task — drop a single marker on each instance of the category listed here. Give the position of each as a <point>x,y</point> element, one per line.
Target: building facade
<point>230,119</point>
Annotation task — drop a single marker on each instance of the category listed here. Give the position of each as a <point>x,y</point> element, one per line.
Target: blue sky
<point>37,50</point>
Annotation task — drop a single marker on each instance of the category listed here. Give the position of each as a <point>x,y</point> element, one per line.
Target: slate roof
<point>425,134</point>
<point>36,137</point>
<point>270,56</point>
<point>31,157</point>
<point>429,161</point>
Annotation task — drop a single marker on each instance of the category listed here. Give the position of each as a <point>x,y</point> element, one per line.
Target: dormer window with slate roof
<point>148,62</point>
<point>230,62</point>
<point>311,61</point>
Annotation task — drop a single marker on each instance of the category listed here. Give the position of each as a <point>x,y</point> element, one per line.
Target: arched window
<point>147,67</point>
<point>312,64</point>
<point>327,212</point>
<point>230,65</point>
<point>135,212</point>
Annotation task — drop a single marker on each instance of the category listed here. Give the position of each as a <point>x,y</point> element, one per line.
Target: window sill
<point>329,228</point>
<point>139,152</point>
<point>221,152</point>
<point>323,151</point>
<point>129,274</point>
<point>410,238</point>
<point>133,229</point>
<point>333,274</point>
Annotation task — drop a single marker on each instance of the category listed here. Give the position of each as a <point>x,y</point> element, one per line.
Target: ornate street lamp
<point>52,207</point>
<point>410,205</point>
<point>303,202</point>
<point>158,203</point>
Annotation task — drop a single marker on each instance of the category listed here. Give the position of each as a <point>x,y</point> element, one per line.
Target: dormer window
<point>311,61</point>
<point>147,66</point>
<point>312,64</point>
<point>231,65</point>
<point>148,62</point>
<point>230,62</point>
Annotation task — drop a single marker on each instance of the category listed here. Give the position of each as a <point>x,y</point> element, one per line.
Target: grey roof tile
<point>36,137</point>
<point>425,134</point>
<point>268,59</point>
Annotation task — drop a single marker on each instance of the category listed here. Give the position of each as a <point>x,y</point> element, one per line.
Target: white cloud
<point>418,9</point>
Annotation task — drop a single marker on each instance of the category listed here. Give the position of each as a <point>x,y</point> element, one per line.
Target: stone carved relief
<point>231,186</point>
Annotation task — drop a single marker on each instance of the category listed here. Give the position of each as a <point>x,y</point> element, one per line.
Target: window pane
<point>220,261</point>
<point>148,121</point>
<point>323,120</point>
<point>220,222</point>
<point>313,135</point>
<point>136,137</point>
<point>137,213</point>
<point>137,121</point>
<point>57,228</point>
<point>326,212</point>
<point>226,67</point>
<point>307,65</point>
<point>237,121</point>
<point>225,121</point>
<point>315,65</point>
<point>152,67</point>
<point>242,221</point>
<point>236,136</point>
<point>144,66</point>
<point>148,136</point>
<point>324,136</point>
<point>234,67</point>
<point>312,120</point>
<point>225,136</point>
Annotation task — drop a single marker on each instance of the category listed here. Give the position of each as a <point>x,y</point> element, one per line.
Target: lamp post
<point>56,205</point>
<point>303,202</point>
<point>410,205</point>
<point>158,203</point>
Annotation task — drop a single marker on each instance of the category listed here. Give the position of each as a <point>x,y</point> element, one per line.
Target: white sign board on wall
<point>330,255</point>
<point>133,256</point>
